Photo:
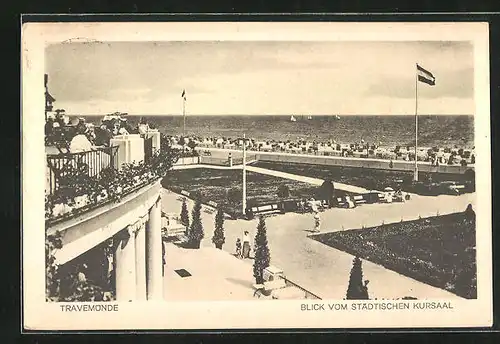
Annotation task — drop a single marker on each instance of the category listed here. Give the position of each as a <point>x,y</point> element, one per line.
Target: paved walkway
<point>325,270</point>
<point>215,275</point>
<point>222,152</point>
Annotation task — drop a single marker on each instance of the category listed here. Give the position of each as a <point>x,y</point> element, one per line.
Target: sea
<point>385,130</point>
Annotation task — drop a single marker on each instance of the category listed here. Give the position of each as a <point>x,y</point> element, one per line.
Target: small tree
<point>218,239</point>
<point>262,255</point>
<point>195,233</point>
<point>283,191</point>
<point>357,290</point>
<point>326,192</point>
<point>234,195</point>
<point>184,214</point>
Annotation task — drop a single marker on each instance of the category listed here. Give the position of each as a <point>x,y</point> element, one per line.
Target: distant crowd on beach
<point>362,149</point>
<point>59,128</point>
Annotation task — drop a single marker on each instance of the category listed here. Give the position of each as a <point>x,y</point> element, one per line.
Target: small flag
<point>183,95</point>
<point>425,76</point>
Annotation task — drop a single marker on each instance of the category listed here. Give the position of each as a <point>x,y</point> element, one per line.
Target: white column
<point>154,254</point>
<point>140,260</point>
<point>125,266</point>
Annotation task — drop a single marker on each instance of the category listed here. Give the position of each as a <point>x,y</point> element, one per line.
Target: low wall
<point>397,165</point>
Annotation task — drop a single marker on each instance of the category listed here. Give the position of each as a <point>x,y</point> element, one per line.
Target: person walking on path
<point>317,222</point>
<point>246,245</point>
<point>238,248</point>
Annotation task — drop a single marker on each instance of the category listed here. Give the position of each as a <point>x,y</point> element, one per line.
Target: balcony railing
<point>81,184</point>
<point>89,164</point>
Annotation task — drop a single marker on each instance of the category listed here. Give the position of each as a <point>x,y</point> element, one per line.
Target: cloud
<point>255,77</point>
<point>458,83</point>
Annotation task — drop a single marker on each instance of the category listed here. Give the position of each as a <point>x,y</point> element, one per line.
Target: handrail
<point>90,163</point>
<point>308,293</point>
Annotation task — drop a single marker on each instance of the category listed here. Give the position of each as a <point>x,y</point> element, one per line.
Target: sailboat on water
<point>309,117</point>
<point>337,117</point>
<point>293,119</point>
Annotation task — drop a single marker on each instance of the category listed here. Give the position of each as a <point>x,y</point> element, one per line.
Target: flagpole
<point>184,125</point>
<point>244,194</point>
<point>415,176</point>
<point>184,116</point>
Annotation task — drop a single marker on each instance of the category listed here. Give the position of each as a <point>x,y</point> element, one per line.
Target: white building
<point>132,224</point>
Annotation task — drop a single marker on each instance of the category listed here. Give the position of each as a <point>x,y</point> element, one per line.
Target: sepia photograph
<point>335,175</point>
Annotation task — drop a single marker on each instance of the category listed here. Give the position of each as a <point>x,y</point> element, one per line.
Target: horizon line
<point>259,114</point>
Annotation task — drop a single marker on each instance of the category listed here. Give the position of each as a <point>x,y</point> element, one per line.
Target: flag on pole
<point>183,95</point>
<point>425,76</point>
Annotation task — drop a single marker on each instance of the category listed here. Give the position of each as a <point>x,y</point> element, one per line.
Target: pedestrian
<point>317,222</point>
<point>246,245</point>
<point>238,248</point>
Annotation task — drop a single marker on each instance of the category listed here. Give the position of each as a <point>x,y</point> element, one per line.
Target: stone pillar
<point>125,266</point>
<point>154,254</point>
<point>140,259</point>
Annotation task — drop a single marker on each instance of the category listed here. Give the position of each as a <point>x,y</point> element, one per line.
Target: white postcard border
<point>39,315</point>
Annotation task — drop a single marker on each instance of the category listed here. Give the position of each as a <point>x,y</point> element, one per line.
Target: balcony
<point>105,204</point>
<point>80,182</point>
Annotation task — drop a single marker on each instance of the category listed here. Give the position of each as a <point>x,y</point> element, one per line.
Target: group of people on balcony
<point>83,136</point>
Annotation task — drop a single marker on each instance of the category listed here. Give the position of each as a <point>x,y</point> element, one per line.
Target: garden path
<point>319,268</point>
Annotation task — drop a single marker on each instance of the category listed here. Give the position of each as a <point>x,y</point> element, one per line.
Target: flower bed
<point>224,186</point>
<point>439,251</point>
<point>373,179</point>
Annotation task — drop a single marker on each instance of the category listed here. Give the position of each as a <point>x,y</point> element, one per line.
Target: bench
<point>211,207</point>
<point>276,284</point>
<point>264,210</point>
<point>359,199</point>
<point>209,210</point>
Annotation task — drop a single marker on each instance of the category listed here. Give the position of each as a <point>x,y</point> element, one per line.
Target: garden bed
<point>373,179</point>
<point>439,251</point>
<point>225,187</point>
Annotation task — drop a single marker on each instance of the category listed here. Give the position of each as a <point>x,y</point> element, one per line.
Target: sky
<point>222,77</point>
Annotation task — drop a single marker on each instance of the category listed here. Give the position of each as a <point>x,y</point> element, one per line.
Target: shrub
<point>218,239</point>
<point>326,191</point>
<point>283,191</point>
<point>357,290</point>
<point>184,214</point>
<point>195,234</point>
<point>234,195</point>
<point>262,254</point>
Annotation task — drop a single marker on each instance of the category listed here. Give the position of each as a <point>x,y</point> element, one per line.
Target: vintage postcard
<point>256,175</point>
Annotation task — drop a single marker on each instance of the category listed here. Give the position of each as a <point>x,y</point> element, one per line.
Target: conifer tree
<point>218,239</point>
<point>195,234</point>
<point>184,214</point>
<point>357,290</point>
<point>262,254</point>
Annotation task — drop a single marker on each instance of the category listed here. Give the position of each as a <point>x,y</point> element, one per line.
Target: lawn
<point>439,251</point>
<point>372,179</point>
<point>225,186</point>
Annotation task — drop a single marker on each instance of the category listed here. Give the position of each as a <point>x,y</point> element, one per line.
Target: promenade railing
<point>308,295</point>
<point>387,155</point>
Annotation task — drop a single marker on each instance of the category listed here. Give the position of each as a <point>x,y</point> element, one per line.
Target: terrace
<point>78,182</point>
